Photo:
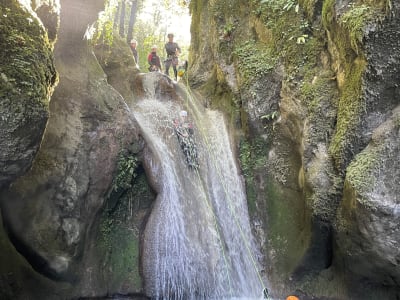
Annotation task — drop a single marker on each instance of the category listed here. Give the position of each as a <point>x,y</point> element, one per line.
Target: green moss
<point>125,261</point>
<point>120,248</point>
<point>253,61</point>
<point>252,159</point>
<point>309,7</point>
<point>360,173</point>
<point>195,7</point>
<point>347,35</point>
<point>293,42</point>
<point>351,106</point>
<point>27,72</point>
<point>278,208</point>
<point>354,21</point>
<point>222,98</point>
<point>119,228</point>
<point>220,8</point>
<point>328,13</point>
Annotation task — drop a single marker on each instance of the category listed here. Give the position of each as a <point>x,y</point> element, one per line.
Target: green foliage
<point>271,116</point>
<point>126,167</point>
<point>253,61</point>
<point>292,40</point>
<point>245,158</point>
<point>102,31</point>
<point>228,29</point>
<point>354,20</point>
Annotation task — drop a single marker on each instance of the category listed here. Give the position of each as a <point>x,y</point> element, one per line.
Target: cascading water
<point>197,242</point>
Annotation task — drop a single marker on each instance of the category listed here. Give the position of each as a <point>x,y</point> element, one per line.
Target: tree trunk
<point>132,20</point>
<point>122,20</point>
<point>116,17</point>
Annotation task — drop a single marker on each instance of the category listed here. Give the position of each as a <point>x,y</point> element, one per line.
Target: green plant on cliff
<point>253,60</point>
<point>292,40</point>
<point>228,30</point>
<point>126,167</point>
<point>354,20</point>
<point>271,116</point>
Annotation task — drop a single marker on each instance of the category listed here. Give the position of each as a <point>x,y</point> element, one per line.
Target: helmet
<point>292,298</point>
<point>170,35</point>
<point>153,47</point>
<point>183,113</point>
<point>181,73</point>
<point>133,41</point>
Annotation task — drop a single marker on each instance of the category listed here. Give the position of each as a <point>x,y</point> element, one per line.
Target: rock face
<point>368,222</point>
<point>27,79</point>
<point>313,92</point>
<point>64,215</point>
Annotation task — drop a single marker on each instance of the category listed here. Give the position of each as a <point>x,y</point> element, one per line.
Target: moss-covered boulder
<point>27,80</point>
<point>54,214</point>
<point>369,216</point>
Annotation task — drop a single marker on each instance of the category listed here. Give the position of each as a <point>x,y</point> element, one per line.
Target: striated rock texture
<point>312,90</point>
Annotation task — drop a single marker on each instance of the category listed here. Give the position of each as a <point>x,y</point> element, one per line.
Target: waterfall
<point>197,242</point>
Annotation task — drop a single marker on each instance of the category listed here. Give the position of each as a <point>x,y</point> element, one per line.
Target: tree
<point>132,20</point>
<point>122,20</point>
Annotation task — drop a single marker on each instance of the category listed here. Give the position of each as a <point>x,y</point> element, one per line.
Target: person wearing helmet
<point>184,127</point>
<point>133,46</point>
<point>184,132</point>
<point>182,68</point>
<point>154,60</point>
<point>173,51</point>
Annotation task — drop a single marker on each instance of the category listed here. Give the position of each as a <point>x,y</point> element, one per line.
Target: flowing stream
<point>197,242</point>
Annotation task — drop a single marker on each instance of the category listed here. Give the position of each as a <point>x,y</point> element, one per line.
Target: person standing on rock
<point>154,60</point>
<point>133,46</point>
<point>173,51</point>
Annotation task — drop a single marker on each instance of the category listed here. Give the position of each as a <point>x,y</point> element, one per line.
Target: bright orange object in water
<point>292,298</point>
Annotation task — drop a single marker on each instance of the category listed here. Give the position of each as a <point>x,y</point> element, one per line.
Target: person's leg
<point>167,65</point>
<point>175,72</point>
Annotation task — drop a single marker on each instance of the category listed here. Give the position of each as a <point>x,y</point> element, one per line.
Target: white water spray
<point>197,242</point>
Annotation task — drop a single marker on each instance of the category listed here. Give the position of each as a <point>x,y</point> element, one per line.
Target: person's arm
<point>177,48</point>
<point>190,129</point>
<point>149,58</point>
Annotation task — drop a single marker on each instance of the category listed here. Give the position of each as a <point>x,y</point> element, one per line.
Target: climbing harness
<point>188,146</point>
